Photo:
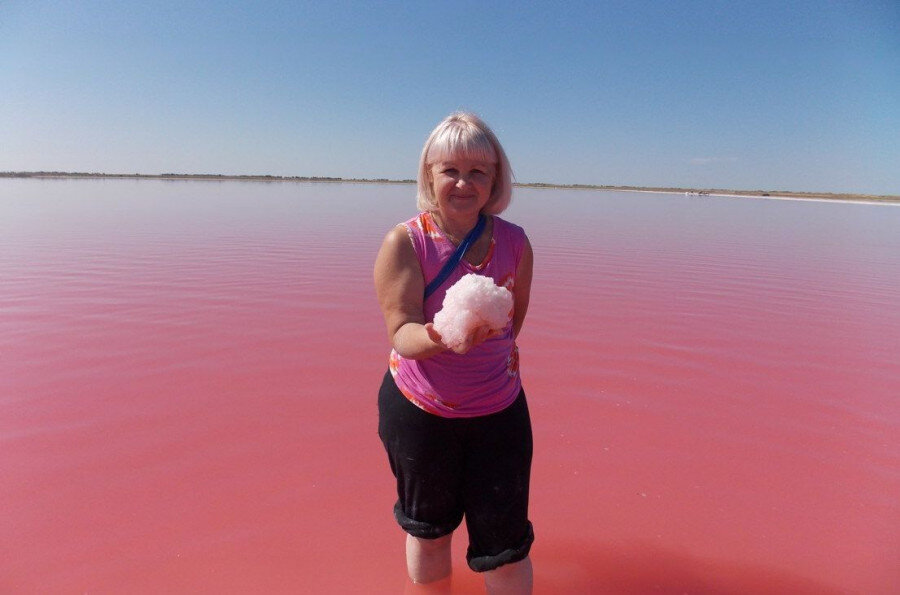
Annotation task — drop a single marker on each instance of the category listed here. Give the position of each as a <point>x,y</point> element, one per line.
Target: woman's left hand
<point>475,338</point>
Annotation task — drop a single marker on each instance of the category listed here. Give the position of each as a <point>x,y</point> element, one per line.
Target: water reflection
<point>187,376</point>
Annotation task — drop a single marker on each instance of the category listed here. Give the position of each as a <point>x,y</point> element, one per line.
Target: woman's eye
<point>450,171</point>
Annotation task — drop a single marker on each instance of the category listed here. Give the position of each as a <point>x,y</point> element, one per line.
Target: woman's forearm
<point>412,341</point>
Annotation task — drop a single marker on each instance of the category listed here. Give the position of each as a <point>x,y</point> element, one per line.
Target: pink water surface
<point>188,374</point>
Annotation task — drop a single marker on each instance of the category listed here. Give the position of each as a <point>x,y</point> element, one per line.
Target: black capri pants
<point>447,468</point>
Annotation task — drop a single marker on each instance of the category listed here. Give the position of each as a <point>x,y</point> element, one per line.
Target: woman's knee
<point>428,560</point>
<point>430,546</point>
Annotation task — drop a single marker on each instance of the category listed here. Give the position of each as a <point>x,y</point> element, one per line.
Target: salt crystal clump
<point>471,302</point>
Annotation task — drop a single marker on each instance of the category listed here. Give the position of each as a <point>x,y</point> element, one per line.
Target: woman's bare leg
<point>510,579</point>
<point>428,560</point>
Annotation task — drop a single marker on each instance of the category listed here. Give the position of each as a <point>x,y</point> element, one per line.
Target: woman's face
<point>462,186</point>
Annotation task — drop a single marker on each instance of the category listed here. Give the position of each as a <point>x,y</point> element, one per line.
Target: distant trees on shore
<point>174,176</point>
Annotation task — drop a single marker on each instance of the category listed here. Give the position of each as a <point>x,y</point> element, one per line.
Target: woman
<point>455,422</point>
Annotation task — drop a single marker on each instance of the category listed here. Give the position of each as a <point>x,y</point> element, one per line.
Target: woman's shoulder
<point>397,240</point>
<point>502,227</point>
<point>407,229</point>
<point>412,234</point>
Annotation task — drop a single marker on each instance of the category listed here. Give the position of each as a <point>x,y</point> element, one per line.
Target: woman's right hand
<point>475,338</point>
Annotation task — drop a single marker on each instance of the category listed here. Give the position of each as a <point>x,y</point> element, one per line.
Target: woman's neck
<point>455,229</point>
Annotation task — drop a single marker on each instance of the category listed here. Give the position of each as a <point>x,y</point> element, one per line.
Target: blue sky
<point>746,95</point>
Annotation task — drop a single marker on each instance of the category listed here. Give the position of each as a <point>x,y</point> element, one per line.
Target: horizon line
<point>549,185</point>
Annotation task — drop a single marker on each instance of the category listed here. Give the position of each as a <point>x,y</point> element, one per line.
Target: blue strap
<point>457,256</point>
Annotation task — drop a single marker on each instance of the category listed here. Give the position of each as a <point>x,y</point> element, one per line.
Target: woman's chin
<point>463,206</point>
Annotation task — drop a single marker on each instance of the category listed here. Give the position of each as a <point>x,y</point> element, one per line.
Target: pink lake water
<point>188,376</point>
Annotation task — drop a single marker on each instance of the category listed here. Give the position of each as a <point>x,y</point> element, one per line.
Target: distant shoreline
<point>700,192</point>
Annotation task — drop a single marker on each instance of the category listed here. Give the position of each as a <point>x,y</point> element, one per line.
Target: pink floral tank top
<point>486,379</point>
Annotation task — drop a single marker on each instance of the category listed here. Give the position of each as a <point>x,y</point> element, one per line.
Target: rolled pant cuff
<point>485,563</point>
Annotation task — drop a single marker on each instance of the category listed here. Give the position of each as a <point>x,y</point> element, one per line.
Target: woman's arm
<point>400,288</point>
<point>522,288</point>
